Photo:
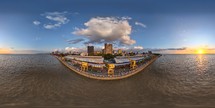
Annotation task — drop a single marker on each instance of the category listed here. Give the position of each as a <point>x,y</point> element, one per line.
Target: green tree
<point>108,56</point>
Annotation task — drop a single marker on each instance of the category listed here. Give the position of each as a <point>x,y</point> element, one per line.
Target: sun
<point>200,51</point>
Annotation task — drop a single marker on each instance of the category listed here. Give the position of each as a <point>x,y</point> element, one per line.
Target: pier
<point>84,71</point>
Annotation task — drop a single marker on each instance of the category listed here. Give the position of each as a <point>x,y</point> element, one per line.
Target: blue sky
<point>32,26</point>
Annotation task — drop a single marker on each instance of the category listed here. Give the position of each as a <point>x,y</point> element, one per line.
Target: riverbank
<point>114,77</point>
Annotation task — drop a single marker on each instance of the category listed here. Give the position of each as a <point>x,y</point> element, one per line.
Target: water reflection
<point>200,60</point>
<point>201,63</point>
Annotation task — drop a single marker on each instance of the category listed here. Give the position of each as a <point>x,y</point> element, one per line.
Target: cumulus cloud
<point>107,29</point>
<point>57,19</point>
<point>74,49</point>
<point>51,26</point>
<point>75,41</point>
<point>140,24</point>
<point>130,48</point>
<point>36,22</point>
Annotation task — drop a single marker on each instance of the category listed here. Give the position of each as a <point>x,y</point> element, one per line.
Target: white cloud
<point>126,18</point>
<point>69,49</point>
<point>140,24</point>
<point>51,26</point>
<point>57,19</point>
<point>48,26</point>
<point>107,29</point>
<point>138,47</point>
<point>130,48</point>
<point>75,49</point>
<point>36,22</point>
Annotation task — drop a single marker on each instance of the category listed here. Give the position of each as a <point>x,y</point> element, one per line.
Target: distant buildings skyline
<point>108,49</point>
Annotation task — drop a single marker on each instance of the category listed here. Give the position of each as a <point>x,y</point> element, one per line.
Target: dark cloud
<point>75,41</point>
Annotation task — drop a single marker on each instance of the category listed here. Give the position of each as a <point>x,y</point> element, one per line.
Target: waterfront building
<point>108,49</point>
<point>90,50</point>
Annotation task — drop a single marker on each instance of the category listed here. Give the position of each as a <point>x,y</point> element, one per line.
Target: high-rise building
<point>108,48</point>
<point>90,50</point>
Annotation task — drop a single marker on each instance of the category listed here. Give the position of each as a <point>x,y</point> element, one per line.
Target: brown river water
<point>174,81</point>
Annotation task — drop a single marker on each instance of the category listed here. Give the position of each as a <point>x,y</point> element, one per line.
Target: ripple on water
<point>173,80</point>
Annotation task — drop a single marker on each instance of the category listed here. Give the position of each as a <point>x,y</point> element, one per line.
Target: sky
<point>164,26</point>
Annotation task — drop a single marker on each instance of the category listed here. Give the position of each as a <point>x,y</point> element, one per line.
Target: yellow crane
<point>84,66</point>
<point>133,64</point>
<point>110,69</point>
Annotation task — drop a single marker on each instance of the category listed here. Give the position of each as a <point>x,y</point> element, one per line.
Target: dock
<point>111,77</point>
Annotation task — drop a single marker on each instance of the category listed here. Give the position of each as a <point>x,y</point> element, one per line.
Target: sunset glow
<point>5,51</point>
<point>200,51</point>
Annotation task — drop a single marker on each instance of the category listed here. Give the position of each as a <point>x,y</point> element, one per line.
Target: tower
<point>108,48</point>
<point>90,50</point>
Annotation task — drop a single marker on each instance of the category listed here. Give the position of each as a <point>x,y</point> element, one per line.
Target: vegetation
<point>108,56</point>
